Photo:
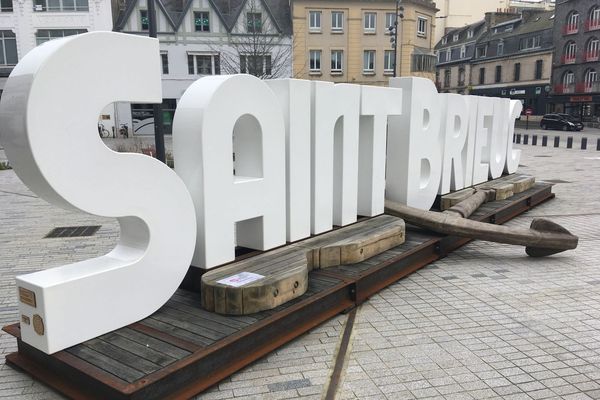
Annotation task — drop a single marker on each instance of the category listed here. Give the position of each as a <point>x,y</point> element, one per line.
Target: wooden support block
<point>354,243</point>
<point>452,199</point>
<point>270,279</point>
<point>503,190</point>
<point>521,182</point>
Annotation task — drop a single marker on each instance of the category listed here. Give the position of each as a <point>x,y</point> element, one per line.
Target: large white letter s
<point>49,111</point>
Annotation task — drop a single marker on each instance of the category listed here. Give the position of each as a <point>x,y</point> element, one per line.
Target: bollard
<point>598,145</point>
<point>534,140</point>
<point>556,141</point>
<point>544,140</point>
<point>518,138</point>
<point>514,138</point>
<point>525,139</point>
<point>583,143</point>
<point>570,142</point>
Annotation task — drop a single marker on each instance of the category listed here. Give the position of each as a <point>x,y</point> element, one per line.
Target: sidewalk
<point>485,322</point>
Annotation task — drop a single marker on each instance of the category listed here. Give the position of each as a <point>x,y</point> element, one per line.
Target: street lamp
<point>394,32</point>
<point>159,137</point>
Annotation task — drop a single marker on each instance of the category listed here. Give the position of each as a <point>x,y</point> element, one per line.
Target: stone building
<point>506,55</point>
<point>514,59</point>
<point>576,63</point>
<point>350,41</point>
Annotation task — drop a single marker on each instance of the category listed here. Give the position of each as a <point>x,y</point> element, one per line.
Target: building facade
<point>26,24</point>
<point>576,63</point>
<point>208,37</point>
<point>507,55</point>
<point>514,59</point>
<point>350,41</point>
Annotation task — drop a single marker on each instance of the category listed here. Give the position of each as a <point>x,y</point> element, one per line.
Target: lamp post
<point>394,31</point>
<point>159,137</point>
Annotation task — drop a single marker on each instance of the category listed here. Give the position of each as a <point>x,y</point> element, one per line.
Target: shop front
<point>532,96</point>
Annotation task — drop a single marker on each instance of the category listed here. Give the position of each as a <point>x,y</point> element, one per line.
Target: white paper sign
<point>241,279</point>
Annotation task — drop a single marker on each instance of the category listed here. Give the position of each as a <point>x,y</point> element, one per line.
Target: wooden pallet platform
<point>181,350</point>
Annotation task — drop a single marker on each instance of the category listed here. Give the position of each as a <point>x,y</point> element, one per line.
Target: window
<point>144,22</point>
<point>448,55</point>
<point>257,65</point>
<point>498,74</point>
<point>201,21</point>
<point>455,37</point>
<point>463,51</point>
<point>461,76</point>
<point>164,59</point>
<point>444,40</point>
<point>539,69</point>
<point>254,22</point>
<point>370,22</point>
<point>337,57</point>
<point>203,64</point>
<point>572,23</point>
<point>469,34</point>
<point>390,21</point>
<point>532,42</point>
<point>388,61</point>
<point>570,52</point>
<point>480,51</point>
<point>58,5</point>
<point>568,79</point>
<point>517,72</point>
<point>500,49</point>
<point>44,35</point>
<point>421,27</point>
<point>8,48</point>
<point>594,22</point>
<point>369,62</point>
<point>6,5</point>
<point>315,61</point>
<point>337,21</point>
<point>481,76</point>
<point>447,77</point>
<point>592,50</point>
<point>591,81</point>
<point>314,21</point>
<point>423,63</point>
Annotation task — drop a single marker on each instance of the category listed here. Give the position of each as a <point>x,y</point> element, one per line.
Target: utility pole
<point>394,31</point>
<point>159,136</point>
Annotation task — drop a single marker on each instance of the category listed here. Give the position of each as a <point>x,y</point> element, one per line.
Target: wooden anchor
<point>543,238</point>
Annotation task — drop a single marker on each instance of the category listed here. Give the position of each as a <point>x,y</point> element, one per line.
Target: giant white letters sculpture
<point>455,127</point>
<point>49,111</point>
<point>217,116</point>
<point>512,156</point>
<point>415,145</point>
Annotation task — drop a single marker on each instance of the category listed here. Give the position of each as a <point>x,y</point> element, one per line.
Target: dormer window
<point>444,40</point>
<point>455,37</point>
<point>469,34</point>
<point>254,22</point>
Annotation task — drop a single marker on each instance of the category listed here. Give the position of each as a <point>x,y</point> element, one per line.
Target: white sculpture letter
<point>455,125</point>
<point>512,156</point>
<point>497,157</point>
<point>294,96</point>
<point>49,111</point>
<point>334,170</point>
<point>485,110</point>
<point>377,104</point>
<point>415,145</point>
<point>219,116</point>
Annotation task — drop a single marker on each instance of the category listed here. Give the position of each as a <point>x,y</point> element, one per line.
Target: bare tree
<point>257,47</point>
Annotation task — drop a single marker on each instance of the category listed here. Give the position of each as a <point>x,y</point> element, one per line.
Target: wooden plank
<point>125,357</point>
<point>521,182</point>
<point>151,343</point>
<point>272,278</point>
<point>138,349</point>
<point>503,190</point>
<point>106,363</point>
<point>452,199</point>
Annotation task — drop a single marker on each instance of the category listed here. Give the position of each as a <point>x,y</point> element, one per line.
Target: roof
<point>228,12</point>
<point>529,23</point>
<point>462,32</point>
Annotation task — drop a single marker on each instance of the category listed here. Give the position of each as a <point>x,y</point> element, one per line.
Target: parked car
<point>564,122</point>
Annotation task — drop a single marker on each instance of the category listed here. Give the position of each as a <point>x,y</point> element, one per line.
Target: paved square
<point>485,322</point>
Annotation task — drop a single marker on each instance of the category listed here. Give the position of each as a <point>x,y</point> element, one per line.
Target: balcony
<point>592,56</point>
<point>588,87</point>
<point>570,29</point>
<point>564,89</point>
<point>592,25</point>
<point>568,59</point>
